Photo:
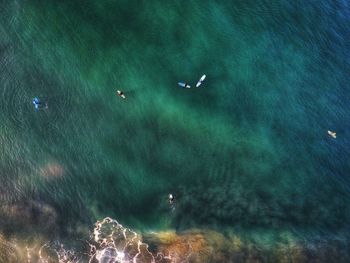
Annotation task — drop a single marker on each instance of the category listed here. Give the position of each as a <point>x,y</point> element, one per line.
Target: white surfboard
<point>184,85</point>
<point>121,94</point>
<point>200,81</point>
<point>333,134</point>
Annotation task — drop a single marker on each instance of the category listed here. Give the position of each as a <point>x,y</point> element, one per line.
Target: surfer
<point>184,85</point>
<point>38,103</point>
<point>171,199</point>
<point>121,94</point>
<point>332,134</point>
<point>200,81</point>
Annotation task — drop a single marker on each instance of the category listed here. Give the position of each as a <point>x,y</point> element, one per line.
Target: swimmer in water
<point>333,134</point>
<point>121,94</point>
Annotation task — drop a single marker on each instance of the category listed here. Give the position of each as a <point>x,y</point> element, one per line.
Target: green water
<point>248,150</point>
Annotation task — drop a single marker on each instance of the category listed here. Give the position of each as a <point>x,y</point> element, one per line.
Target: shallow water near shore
<point>246,155</point>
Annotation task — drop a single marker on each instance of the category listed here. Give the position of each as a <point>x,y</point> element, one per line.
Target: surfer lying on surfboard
<point>333,134</point>
<point>38,104</point>
<point>121,94</point>
<point>184,85</point>
<point>171,199</point>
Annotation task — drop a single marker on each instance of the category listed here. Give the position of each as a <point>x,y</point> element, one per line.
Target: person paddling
<point>121,94</point>
<point>184,85</point>
<point>332,134</point>
<point>171,199</point>
<point>39,104</point>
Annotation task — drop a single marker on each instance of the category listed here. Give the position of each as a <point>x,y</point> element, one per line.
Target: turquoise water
<point>247,152</point>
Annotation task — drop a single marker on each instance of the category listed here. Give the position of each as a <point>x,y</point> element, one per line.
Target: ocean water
<point>255,176</point>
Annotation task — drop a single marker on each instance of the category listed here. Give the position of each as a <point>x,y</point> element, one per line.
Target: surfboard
<point>120,94</point>
<point>184,85</point>
<point>333,134</point>
<point>38,104</point>
<point>200,81</point>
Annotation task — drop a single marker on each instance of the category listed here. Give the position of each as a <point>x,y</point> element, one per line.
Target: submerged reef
<point>29,215</point>
<point>111,242</point>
